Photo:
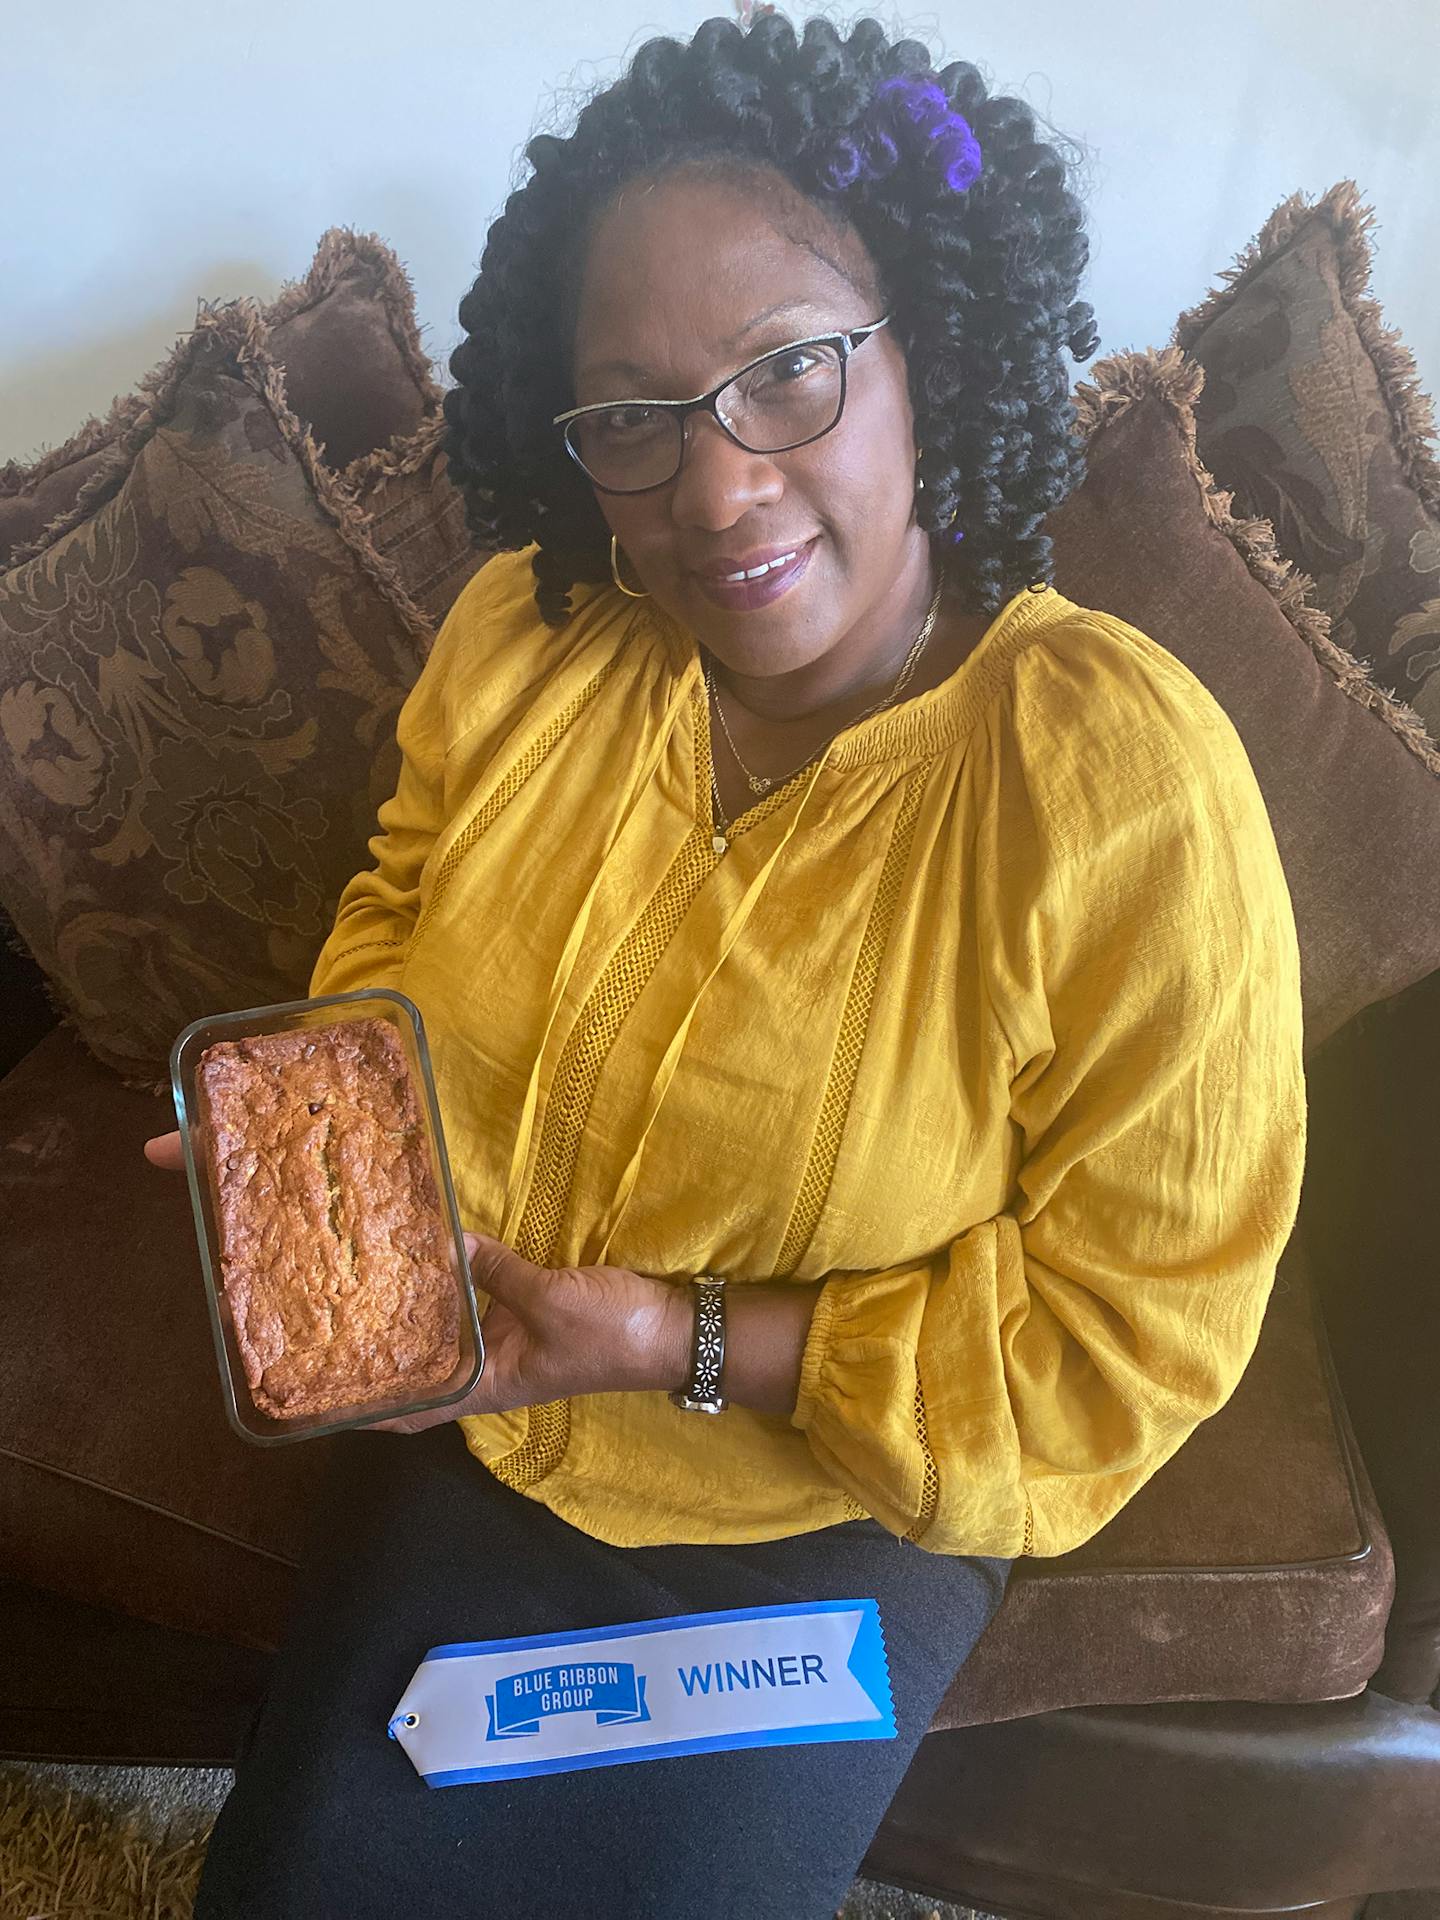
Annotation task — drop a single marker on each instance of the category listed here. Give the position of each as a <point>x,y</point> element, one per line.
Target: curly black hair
<point>981,284</point>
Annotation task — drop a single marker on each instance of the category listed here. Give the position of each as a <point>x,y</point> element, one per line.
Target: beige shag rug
<point>127,1843</point>
<point>65,1856</point>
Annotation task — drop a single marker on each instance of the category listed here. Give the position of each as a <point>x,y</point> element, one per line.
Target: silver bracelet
<point>708,1353</point>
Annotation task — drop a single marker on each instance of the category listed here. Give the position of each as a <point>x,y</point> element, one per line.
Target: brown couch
<point>1228,1702</point>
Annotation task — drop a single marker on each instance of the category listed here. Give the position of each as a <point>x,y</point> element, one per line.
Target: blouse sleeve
<point>1014,1392</point>
<point>378,908</point>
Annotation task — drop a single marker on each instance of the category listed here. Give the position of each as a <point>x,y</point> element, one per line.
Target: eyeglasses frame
<point>844,343</point>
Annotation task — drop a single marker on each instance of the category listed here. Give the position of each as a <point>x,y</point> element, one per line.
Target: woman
<point>801,892</point>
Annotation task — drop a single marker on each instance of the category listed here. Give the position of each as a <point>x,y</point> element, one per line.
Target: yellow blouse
<point>990,1019</point>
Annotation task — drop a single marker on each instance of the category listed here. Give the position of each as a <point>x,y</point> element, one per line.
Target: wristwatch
<point>707,1355</point>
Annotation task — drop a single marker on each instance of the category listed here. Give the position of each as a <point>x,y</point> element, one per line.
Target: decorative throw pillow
<point>198,686</point>
<point>1350,777</point>
<point>415,517</point>
<point>36,497</point>
<point>355,374</point>
<point>1312,413</point>
<point>347,339</point>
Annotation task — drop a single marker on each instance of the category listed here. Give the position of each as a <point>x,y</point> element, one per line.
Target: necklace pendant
<point>719,842</point>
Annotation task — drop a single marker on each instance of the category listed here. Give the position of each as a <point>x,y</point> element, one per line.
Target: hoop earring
<point>615,572</point>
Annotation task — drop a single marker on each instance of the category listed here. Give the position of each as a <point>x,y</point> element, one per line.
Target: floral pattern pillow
<point>198,689</point>
<point>1313,417</point>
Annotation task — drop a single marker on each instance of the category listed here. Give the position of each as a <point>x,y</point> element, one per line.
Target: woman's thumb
<point>500,1270</point>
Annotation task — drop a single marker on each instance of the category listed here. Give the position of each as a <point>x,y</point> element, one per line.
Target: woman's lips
<point>743,596</point>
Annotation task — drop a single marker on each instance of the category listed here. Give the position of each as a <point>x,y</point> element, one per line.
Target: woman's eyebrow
<point>629,370</point>
<point>781,306</point>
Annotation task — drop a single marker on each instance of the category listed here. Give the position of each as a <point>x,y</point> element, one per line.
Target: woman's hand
<point>550,1332</point>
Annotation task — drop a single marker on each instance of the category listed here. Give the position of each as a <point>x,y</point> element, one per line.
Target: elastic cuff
<point>817,1344</point>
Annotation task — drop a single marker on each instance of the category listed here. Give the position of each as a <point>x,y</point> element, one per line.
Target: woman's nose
<point>719,480</point>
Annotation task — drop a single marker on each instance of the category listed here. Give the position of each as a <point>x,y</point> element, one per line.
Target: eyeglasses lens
<point>788,398</point>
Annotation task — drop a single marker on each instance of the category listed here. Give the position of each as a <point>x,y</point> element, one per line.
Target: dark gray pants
<point>417,1544</point>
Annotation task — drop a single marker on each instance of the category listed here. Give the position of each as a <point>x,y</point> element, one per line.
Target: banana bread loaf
<point>336,1252</point>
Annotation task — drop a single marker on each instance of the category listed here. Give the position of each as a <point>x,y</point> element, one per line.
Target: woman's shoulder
<point>497,603</point>
<point>1118,671</point>
<point>1108,721</point>
<point>494,648</point>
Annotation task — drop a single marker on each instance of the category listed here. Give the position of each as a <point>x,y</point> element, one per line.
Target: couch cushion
<point>1253,1565</point>
<point>347,342</point>
<point>1372,1222</point>
<point>198,690</point>
<point>1313,413</point>
<point>1350,778</point>
<point>121,1482</point>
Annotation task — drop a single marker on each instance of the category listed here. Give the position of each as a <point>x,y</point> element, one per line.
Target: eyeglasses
<point>785,399</point>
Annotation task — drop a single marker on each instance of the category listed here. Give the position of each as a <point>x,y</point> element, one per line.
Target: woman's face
<point>685,280</point>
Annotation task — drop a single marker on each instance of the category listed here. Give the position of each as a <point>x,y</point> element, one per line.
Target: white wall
<point>166,151</point>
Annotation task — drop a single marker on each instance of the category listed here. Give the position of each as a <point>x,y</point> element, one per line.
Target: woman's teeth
<point>755,573</point>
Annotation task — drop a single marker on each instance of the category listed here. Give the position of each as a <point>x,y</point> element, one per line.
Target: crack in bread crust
<point>345,1241</point>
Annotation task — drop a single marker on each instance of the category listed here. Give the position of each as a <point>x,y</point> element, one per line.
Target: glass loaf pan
<point>404,1016</point>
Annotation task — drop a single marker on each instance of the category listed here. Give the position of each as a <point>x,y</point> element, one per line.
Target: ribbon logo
<point>610,1689</point>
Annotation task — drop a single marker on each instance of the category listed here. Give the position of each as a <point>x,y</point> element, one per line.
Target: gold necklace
<point>756,782</point>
